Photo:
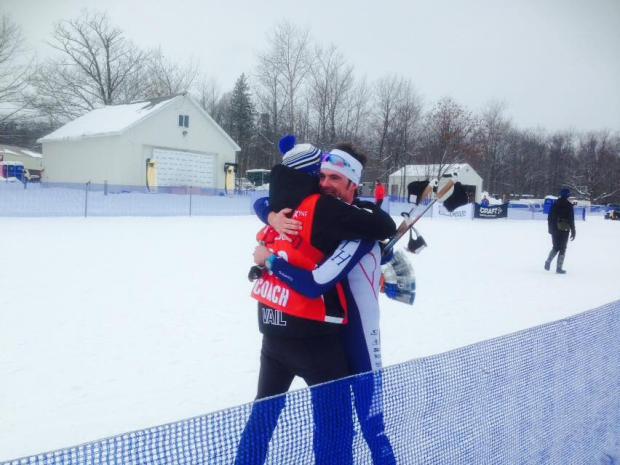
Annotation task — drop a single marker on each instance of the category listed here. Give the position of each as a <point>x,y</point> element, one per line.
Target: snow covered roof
<point>19,151</point>
<point>116,119</point>
<point>427,170</point>
<point>109,120</point>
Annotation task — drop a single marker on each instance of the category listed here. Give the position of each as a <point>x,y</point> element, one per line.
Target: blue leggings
<point>363,349</point>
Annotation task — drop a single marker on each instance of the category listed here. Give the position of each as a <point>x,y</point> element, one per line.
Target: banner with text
<point>491,211</point>
<point>462,213</point>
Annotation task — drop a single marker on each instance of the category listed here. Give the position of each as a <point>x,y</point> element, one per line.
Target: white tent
<point>399,179</point>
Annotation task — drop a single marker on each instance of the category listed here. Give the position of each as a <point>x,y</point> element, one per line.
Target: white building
<point>171,140</point>
<point>467,176</point>
<point>32,161</point>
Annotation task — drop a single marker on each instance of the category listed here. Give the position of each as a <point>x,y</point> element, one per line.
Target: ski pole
<point>409,222</point>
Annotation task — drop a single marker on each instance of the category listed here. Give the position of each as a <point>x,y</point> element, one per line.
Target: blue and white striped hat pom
<point>302,157</point>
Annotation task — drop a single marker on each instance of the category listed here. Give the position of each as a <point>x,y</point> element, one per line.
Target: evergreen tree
<point>242,124</point>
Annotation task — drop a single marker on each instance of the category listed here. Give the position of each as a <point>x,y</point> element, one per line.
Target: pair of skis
<point>452,194</point>
<point>398,278</point>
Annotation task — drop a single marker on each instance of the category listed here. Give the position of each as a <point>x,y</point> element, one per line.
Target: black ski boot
<point>550,259</point>
<point>559,269</point>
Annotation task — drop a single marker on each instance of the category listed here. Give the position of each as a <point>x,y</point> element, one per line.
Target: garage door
<point>176,168</point>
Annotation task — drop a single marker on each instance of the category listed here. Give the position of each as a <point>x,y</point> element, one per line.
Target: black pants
<point>316,359</point>
<point>560,239</point>
<point>379,202</point>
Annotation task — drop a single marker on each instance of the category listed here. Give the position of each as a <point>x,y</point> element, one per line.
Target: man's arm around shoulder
<point>351,222</point>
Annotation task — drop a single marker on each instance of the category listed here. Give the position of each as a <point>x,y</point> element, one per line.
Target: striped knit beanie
<point>302,157</point>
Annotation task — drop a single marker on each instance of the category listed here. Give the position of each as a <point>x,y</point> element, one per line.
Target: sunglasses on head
<point>336,160</point>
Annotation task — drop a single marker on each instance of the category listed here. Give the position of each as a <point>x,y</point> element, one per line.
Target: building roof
<point>425,171</point>
<point>20,151</point>
<point>113,120</point>
<point>109,120</point>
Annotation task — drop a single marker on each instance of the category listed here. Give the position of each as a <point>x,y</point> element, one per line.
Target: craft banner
<point>492,211</point>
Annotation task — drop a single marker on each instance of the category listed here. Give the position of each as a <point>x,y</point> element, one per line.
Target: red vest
<point>299,252</point>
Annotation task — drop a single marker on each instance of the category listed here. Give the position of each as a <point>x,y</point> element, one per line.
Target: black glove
<point>572,235</point>
<point>255,273</point>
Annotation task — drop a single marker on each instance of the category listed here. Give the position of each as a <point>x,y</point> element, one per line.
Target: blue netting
<point>47,200</point>
<point>66,199</point>
<point>546,395</point>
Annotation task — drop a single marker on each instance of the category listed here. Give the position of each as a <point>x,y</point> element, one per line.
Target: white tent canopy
<point>399,179</point>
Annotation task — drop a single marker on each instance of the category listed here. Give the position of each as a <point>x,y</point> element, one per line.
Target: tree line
<point>300,86</point>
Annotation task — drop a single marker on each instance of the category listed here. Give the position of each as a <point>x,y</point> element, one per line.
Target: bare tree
<point>97,66</point>
<point>597,160</point>
<point>13,73</point>
<point>208,94</point>
<point>357,114</point>
<point>290,45</point>
<point>560,163</point>
<point>491,138</point>
<point>280,75</point>
<point>447,136</point>
<point>166,77</point>
<point>404,137</point>
<point>331,81</point>
<point>216,103</point>
<point>614,170</point>
<point>526,162</point>
<point>394,125</point>
<point>304,122</point>
<point>271,102</point>
<point>387,95</point>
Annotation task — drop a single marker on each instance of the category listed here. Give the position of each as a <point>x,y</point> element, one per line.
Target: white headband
<point>343,163</point>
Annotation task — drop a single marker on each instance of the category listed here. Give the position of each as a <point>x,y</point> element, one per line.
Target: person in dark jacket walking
<point>561,222</point>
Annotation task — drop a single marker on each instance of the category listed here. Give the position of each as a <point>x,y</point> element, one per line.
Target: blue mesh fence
<point>535,212</point>
<point>56,199</point>
<point>46,199</point>
<point>545,395</point>
<point>515,212</point>
<point>66,199</point>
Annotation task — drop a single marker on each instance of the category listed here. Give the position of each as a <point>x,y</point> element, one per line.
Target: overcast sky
<point>555,63</point>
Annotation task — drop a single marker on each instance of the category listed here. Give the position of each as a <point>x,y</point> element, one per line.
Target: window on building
<point>184,121</point>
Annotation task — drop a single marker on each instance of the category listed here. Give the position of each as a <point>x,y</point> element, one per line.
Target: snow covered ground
<point>114,324</point>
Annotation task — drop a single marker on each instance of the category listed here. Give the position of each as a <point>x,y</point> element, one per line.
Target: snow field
<point>114,324</point>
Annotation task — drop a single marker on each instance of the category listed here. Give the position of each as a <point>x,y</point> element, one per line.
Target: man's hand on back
<point>284,225</point>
